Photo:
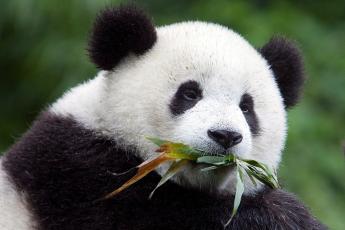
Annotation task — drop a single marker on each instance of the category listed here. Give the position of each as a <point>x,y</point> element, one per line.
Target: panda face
<point>221,125</point>
<point>203,85</point>
<point>197,83</point>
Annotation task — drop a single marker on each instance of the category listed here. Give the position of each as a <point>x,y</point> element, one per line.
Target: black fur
<point>287,65</point>
<point>247,107</point>
<point>186,96</point>
<point>118,32</point>
<point>63,168</point>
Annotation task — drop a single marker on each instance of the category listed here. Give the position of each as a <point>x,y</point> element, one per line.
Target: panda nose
<point>225,138</point>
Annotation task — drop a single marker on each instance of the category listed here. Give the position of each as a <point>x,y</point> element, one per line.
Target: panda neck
<point>84,102</point>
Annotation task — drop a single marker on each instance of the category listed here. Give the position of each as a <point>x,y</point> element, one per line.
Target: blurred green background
<point>42,54</point>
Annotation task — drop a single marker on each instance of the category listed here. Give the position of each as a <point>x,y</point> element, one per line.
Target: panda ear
<point>118,32</point>
<point>286,63</point>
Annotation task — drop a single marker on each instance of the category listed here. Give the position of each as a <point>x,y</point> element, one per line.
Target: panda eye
<point>248,111</point>
<point>246,104</point>
<point>186,97</point>
<point>190,95</point>
<point>244,109</point>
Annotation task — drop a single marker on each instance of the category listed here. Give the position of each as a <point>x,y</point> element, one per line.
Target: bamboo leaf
<point>262,166</point>
<point>177,150</point>
<point>213,167</point>
<point>263,178</point>
<point>213,160</point>
<point>143,169</point>
<point>230,158</point>
<point>156,141</point>
<point>258,165</point>
<point>181,154</point>
<point>250,175</point>
<point>238,193</point>
<point>173,169</point>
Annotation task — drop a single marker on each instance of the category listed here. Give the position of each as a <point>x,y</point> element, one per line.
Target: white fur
<point>14,214</point>
<point>131,101</point>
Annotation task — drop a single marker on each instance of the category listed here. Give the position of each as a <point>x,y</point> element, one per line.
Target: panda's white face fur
<point>135,100</point>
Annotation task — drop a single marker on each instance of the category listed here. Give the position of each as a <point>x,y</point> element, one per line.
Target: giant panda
<point>193,82</point>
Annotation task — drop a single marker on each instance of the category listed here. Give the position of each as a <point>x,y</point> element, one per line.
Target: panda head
<point>197,83</point>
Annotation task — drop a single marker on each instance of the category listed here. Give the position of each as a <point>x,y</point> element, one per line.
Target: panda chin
<point>215,182</point>
<point>209,148</point>
<point>220,181</point>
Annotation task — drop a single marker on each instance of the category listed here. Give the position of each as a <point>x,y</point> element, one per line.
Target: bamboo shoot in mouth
<point>180,154</point>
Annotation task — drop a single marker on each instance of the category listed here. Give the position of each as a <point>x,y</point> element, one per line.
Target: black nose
<point>225,138</point>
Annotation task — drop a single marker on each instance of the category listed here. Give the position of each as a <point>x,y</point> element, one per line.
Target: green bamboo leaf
<point>192,151</point>
<point>173,169</point>
<point>180,154</point>
<point>267,177</point>
<point>258,165</point>
<point>213,160</point>
<point>263,178</point>
<point>261,166</point>
<point>157,141</point>
<point>238,194</point>
<point>249,175</point>
<point>230,158</point>
<point>271,174</point>
<point>213,167</point>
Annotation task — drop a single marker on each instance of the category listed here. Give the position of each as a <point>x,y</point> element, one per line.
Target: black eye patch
<point>187,95</point>
<point>247,107</point>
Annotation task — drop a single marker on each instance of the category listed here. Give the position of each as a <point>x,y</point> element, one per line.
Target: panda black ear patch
<point>287,65</point>
<point>118,32</point>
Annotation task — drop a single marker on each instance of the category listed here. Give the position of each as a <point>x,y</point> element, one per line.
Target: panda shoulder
<point>274,209</point>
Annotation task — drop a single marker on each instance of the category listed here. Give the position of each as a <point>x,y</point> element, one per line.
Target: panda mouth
<point>202,166</point>
<point>216,151</point>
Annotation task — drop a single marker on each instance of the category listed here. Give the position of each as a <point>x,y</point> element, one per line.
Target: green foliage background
<point>42,54</point>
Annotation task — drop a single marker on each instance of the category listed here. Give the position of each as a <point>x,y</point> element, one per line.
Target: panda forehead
<point>200,41</point>
<point>208,53</point>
